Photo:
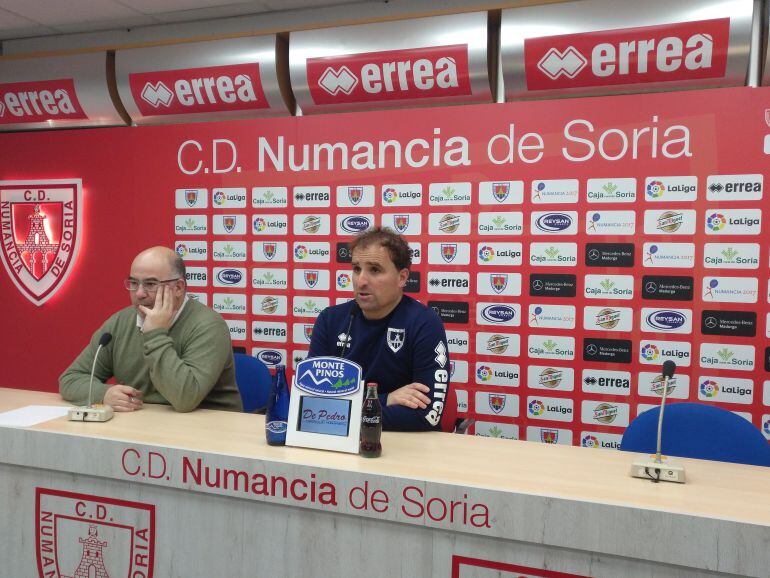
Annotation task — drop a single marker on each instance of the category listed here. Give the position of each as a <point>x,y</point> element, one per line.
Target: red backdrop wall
<point>130,176</point>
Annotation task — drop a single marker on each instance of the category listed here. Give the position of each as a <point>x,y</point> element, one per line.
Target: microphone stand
<point>98,412</point>
<point>659,469</point>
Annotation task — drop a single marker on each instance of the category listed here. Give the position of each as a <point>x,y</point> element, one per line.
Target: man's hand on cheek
<point>162,314</point>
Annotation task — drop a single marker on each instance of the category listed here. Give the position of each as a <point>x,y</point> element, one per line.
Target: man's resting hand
<point>123,398</point>
<point>411,395</point>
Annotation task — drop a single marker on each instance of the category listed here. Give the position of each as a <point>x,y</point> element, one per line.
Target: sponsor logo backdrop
<point>569,246</point>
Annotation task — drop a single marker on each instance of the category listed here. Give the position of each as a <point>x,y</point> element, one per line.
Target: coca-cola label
<point>39,101</point>
<point>371,420</point>
<point>429,72</point>
<point>664,53</point>
<point>197,90</point>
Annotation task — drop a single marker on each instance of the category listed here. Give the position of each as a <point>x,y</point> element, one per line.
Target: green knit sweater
<point>187,366</point>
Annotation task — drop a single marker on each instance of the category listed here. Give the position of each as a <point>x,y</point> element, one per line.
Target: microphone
<point>90,412</point>
<point>668,472</point>
<point>669,367</point>
<point>353,312</point>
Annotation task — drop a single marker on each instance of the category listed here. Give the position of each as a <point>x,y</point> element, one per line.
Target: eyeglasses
<point>149,285</point>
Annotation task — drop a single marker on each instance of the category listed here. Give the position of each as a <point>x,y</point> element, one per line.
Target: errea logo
<point>434,71</point>
<point>26,102</point>
<point>664,53</point>
<point>198,90</point>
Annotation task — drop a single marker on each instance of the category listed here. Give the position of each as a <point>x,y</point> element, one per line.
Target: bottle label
<point>276,427</point>
<point>373,420</point>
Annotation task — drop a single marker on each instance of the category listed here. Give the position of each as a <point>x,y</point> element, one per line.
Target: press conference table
<point>158,493</point>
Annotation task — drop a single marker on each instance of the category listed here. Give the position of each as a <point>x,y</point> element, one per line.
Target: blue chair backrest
<point>697,430</point>
<point>254,381</point>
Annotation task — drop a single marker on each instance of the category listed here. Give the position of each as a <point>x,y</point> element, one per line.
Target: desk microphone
<point>656,469</point>
<point>353,311</point>
<point>90,412</point>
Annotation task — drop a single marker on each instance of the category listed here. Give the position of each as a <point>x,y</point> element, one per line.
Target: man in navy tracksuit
<point>398,342</point>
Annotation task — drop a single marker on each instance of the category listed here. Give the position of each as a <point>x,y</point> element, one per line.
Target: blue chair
<point>254,381</point>
<point>701,431</point>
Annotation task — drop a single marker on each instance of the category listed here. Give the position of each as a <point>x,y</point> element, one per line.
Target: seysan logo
<point>196,90</point>
<point>663,53</point>
<point>390,75</point>
<point>26,102</point>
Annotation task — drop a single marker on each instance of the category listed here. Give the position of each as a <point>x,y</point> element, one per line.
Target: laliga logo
<point>336,81</point>
<point>486,253</point>
<point>157,94</point>
<point>589,441</point>
<point>568,63</point>
<point>650,352</point>
<point>655,189</point>
<point>709,388</point>
<point>300,251</point>
<point>716,221</point>
<point>343,280</point>
<point>484,372</point>
<point>389,195</point>
<point>536,407</point>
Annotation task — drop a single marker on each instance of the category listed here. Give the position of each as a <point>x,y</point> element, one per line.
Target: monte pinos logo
<point>80,535</point>
<point>41,226</point>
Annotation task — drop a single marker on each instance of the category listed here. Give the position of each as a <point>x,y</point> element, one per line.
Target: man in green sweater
<point>166,348</point>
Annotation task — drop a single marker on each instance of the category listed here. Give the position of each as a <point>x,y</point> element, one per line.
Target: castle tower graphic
<point>37,242</point>
<point>92,557</point>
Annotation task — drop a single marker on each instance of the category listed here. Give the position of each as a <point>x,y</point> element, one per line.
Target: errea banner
<point>198,90</point>
<point>28,102</point>
<point>648,54</point>
<point>416,73</point>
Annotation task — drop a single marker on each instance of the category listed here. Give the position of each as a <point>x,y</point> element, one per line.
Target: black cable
<point>657,473</point>
<point>345,341</point>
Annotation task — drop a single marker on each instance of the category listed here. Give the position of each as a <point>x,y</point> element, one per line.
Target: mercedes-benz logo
<point>537,285</point>
<point>710,322</point>
<point>593,254</point>
<point>651,287</point>
<point>591,349</point>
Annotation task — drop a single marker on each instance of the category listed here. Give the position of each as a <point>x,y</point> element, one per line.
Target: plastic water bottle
<point>277,413</point>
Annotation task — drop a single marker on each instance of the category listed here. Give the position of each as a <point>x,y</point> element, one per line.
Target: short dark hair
<point>386,237</point>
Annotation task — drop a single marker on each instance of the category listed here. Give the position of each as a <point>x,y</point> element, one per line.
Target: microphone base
<point>663,471</point>
<point>96,412</point>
